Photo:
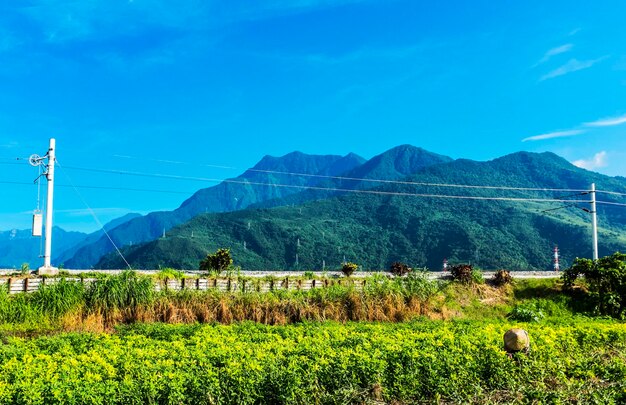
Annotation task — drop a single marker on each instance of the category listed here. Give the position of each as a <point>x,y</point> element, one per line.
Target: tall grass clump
<point>59,298</point>
<point>417,284</point>
<point>122,291</point>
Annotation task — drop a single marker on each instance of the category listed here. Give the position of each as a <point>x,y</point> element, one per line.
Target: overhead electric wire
<point>93,214</point>
<point>611,203</point>
<point>361,178</point>
<point>378,192</point>
<point>611,192</point>
<point>214,180</point>
<point>105,188</point>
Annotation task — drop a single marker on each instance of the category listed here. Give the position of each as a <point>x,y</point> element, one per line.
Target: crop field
<point>399,340</point>
<point>318,363</point>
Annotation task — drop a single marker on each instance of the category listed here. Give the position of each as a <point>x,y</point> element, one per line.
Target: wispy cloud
<point>9,145</point>
<point>555,51</point>
<point>597,161</point>
<point>573,65</point>
<point>558,134</point>
<point>607,122</point>
<point>84,212</point>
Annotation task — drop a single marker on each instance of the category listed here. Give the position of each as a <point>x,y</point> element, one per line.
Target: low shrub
<point>349,268</point>
<point>606,279</point>
<point>525,314</point>
<point>462,273</point>
<point>169,273</point>
<point>477,276</point>
<point>219,261</point>
<point>399,269</point>
<point>502,277</point>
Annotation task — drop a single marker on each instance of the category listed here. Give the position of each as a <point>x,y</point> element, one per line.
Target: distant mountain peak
<point>536,158</point>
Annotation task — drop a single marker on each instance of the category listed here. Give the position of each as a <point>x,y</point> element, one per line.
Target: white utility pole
<point>35,160</point>
<point>594,221</point>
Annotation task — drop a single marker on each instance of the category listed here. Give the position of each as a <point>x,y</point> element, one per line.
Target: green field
<point>433,342</point>
<point>318,363</point>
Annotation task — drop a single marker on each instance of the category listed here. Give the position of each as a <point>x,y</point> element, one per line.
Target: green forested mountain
<point>376,229</point>
<point>394,164</point>
<point>230,195</point>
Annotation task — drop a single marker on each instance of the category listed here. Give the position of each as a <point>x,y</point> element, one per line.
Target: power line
<point>106,188</point>
<point>358,178</point>
<point>247,182</point>
<point>611,203</point>
<point>93,214</point>
<point>611,192</point>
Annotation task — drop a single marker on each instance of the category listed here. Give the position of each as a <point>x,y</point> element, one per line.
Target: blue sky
<point>226,82</point>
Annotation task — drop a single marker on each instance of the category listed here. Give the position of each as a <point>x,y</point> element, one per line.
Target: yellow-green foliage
<point>318,363</point>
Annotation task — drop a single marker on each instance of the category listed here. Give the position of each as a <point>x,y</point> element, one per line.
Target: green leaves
<point>318,363</point>
<point>606,279</point>
<point>219,261</point>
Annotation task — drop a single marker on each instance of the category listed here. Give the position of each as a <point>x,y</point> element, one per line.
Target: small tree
<point>349,268</point>
<point>219,261</point>
<point>606,278</point>
<point>399,269</point>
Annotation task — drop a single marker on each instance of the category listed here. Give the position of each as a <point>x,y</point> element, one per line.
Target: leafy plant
<point>606,278</point>
<point>219,261</point>
<point>169,273</point>
<point>399,269</point>
<point>25,269</point>
<point>478,276</point>
<point>349,268</point>
<point>525,314</point>
<point>416,284</point>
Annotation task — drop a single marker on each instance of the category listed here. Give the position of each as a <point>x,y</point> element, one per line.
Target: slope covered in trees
<point>377,229</point>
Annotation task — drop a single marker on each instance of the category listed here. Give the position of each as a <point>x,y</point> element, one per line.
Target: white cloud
<point>597,161</point>
<point>573,65</point>
<point>555,51</point>
<point>607,122</point>
<point>558,134</point>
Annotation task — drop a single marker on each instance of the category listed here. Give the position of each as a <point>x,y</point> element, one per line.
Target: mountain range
<point>410,221</point>
<point>303,211</point>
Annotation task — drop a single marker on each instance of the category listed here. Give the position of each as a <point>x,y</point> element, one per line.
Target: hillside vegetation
<point>375,230</point>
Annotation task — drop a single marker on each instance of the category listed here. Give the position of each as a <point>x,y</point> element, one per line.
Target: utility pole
<point>594,221</point>
<point>36,160</point>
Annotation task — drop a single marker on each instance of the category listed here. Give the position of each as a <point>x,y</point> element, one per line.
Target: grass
<point>129,298</point>
<point>415,341</point>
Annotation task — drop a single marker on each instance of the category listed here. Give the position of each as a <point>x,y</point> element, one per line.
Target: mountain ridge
<point>375,229</point>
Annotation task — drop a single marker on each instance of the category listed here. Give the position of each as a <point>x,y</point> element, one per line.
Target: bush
<point>502,277</point>
<point>462,273</point>
<point>349,268</point>
<point>399,269</point>
<point>417,284</point>
<point>477,276</point>
<point>524,313</point>
<point>219,261</point>
<point>606,278</point>
<point>169,273</point>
